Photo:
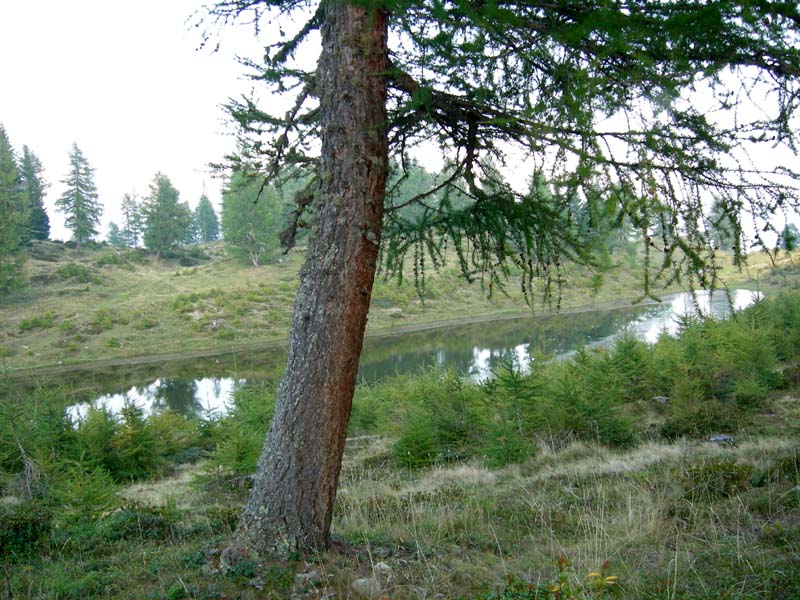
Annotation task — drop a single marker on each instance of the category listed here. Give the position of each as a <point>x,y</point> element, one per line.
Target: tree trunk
<point>291,504</point>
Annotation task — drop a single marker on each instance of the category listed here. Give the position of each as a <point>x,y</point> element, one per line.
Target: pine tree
<point>115,235</point>
<point>252,218</point>
<point>31,171</point>
<point>13,218</point>
<point>724,225</point>
<point>79,202</point>
<point>166,219</point>
<point>596,92</point>
<point>206,221</point>
<point>789,238</point>
<point>133,221</point>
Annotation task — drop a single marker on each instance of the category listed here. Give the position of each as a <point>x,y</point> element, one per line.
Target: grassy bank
<point>589,478</point>
<point>106,303</point>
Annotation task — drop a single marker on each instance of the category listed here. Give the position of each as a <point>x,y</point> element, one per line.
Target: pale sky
<point>124,80</point>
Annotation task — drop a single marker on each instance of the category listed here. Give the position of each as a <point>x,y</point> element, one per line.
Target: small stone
<point>722,439</point>
<point>661,399</point>
<point>257,582</point>
<point>304,579</point>
<point>382,568</point>
<point>230,557</point>
<point>367,587</point>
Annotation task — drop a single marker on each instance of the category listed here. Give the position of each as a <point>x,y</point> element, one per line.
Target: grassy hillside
<point>108,303</point>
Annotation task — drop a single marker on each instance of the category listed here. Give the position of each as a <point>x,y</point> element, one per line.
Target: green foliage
<point>79,202</point>
<point>133,220</point>
<point>22,528</point>
<point>130,446</point>
<point>240,436</point>
<point>505,445</point>
<point>114,235</point>
<point>717,478</point>
<point>44,321</point>
<point>789,238</point>
<point>545,80</point>
<point>252,218</point>
<point>77,272</point>
<point>442,411</point>
<point>417,447</point>
<point>166,219</point>
<point>31,172</point>
<point>698,418</point>
<point>83,492</point>
<point>206,221</point>
<point>576,406</point>
<point>14,218</point>
<point>138,523</point>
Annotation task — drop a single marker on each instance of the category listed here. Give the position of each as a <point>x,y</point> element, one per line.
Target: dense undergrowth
<point>459,489</point>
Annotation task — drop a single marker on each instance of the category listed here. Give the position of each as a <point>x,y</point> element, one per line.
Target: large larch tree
<point>645,104</point>
<point>80,203</point>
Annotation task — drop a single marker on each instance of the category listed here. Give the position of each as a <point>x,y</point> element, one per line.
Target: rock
<point>230,557</point>
<point>305,579</point>
<point>722,439</point>
<point>367,587</point>
<point>382,568</point>
<point>257,582</point>
<point>661,399</point>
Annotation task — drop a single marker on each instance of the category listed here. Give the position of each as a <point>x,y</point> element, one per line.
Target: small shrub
<point>145,323</point>
<point>22,528</point>
<point>715,479</point>
<point>699,419</point>
<point>110,259</point>
<point>138,522</point>
<point>77,273</point>
<point>417,446</point>
<point>102,321</point>
<point>505,445</point>
<point>44,321</point>
<point>83,493</point>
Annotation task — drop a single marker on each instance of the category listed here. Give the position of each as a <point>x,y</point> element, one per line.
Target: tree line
<point>255,213</point>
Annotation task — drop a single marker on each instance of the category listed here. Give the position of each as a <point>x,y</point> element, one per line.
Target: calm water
<point>206,385</point>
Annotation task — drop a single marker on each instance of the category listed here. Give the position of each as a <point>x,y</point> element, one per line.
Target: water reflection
<point>473,350</point>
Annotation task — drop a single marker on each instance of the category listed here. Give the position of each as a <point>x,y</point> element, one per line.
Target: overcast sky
<point>125,81</point>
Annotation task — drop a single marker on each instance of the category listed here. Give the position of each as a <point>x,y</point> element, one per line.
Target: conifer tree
<point>133,221</point>
<point>31,171</point>
<point>13,218</point>
<point>596,93</point>
<point>789,238</point>
<point>166,219</point>
<point>79,202</point>
<point>252,219</point>
<point>206,221</point>
<point>115,236</point>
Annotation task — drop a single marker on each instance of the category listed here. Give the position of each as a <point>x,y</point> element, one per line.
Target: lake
<point>472,349</point>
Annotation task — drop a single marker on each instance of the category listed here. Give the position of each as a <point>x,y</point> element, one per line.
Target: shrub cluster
<point>711,377</point>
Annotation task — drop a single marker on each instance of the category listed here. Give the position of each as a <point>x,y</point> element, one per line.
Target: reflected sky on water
<point>473,350</point>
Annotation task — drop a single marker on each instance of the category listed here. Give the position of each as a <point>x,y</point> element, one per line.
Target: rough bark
<point>291,504</point>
